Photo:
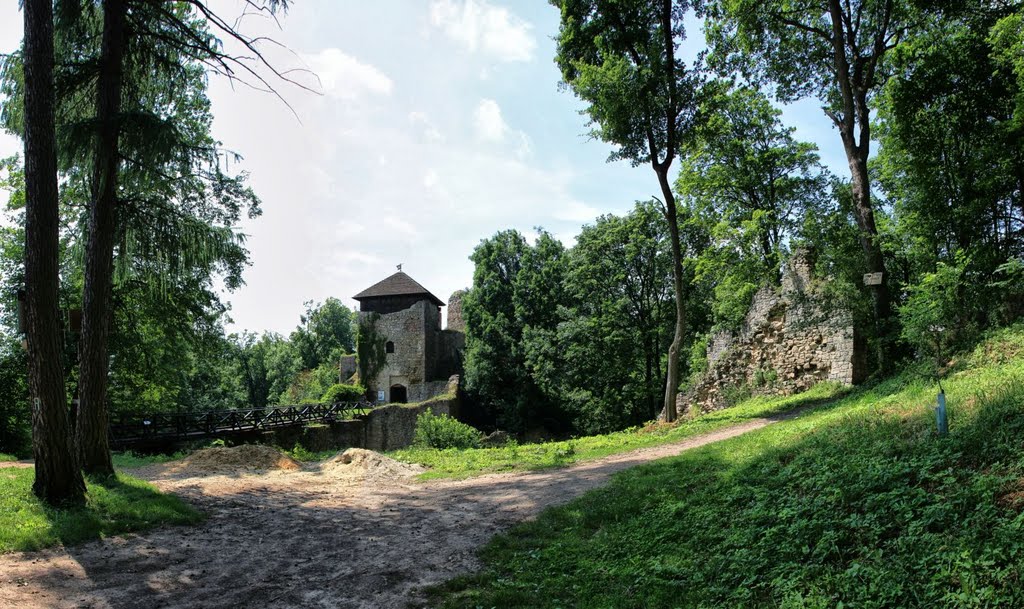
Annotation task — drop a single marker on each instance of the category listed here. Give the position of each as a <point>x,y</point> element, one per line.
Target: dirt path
<point>307,539</point>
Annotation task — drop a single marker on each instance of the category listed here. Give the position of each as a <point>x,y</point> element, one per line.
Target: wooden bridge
<point>168,427</point>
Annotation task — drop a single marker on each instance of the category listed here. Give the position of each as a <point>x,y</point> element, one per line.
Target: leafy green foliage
<point>326,333</point>
<point>442,431</point>
<point>370,354</point>
<point>857,503</point>
<point>616,322</point>
<point>1006,37</point>
<point>177,241</point>
<point>511,316</point>
<point>15,418</point>
<point>614,57</point>
<point>934,320</point>
<point>950,160</point>
<point>113,507</point>
<point>752,184</point>
<point>340,392</point>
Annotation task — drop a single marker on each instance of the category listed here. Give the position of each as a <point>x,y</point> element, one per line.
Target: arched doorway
<point>398,394</point>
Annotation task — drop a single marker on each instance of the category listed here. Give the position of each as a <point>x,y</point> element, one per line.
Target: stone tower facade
<point>404,355</point>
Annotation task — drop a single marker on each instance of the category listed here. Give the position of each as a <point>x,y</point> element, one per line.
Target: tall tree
<point>91,425</point>
<point>58,479</point>
<point>511,316</point>
<point>155,179</point>
<point>325,333</point>
<point>615,329</point>
<point>833,50</point>
<point>951,163</point>
<point>621,58</point>
<point>493,337</point>
<point>750,182</point>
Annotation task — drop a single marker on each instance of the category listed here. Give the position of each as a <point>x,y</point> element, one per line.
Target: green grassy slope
<point>462,463</point>
<point>857,504</point>
<point>113,507</point>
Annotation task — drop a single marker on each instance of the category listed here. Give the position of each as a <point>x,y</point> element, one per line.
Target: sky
<point>432,125</point>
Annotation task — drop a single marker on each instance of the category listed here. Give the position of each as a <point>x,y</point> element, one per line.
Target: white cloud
<point>490,126</point>
<point>488,122</point>
<point>478,25</point>
<point>430,179</point>
<point>345,77</point>
<point>525,145</point>
<point>575,211</point>
<point>430,131</point>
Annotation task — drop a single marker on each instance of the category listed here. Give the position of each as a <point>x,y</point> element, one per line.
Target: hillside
<point>857,504</point>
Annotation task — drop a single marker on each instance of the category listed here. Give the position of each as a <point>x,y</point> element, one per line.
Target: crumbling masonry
<point>789,341</point>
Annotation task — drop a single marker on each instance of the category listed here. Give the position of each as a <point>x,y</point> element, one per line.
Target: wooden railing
<point>128,430</point>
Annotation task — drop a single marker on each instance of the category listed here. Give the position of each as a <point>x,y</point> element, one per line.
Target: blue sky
<point>439,123</point>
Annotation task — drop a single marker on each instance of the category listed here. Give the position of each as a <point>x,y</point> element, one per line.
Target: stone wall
<point>407,330</point>
<point>424,355</point>
<point>446,358</point>
<point>789,341</point>
<point>455,321</point>
<point>384,428</point>
<point>394,426</point>
<point>347,368</point>
<point>419,392</point>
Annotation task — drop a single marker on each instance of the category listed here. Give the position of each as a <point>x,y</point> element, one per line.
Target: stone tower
<point>455,321</point>
<point>404,354</point>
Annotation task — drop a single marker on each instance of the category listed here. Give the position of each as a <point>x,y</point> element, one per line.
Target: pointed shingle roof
<point>398,284</point>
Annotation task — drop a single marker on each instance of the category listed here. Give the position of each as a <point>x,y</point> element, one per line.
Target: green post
<point>940,415</point>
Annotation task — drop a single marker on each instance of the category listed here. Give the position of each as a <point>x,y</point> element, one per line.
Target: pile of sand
<point>359,463</point>
<point>247,457</point>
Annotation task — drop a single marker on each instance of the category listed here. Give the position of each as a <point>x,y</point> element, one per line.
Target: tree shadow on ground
<point>873,507</point>
<point>306,539</point>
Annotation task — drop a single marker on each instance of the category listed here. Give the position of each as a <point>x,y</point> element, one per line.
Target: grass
<point>129,459</point>
<point>462,463</point>
<point>114,506</point>
<point>7,457</point>
<point>856,504</point>
<point>301,453</point>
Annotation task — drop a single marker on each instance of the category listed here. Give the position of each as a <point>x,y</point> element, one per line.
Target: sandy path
<point>307,539</point>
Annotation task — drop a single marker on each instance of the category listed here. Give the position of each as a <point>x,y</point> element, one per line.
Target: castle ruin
<point>790,340</point>
<point>403,353</point>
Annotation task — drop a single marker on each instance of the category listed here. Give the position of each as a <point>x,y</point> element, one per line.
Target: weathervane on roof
<point>399,266</point>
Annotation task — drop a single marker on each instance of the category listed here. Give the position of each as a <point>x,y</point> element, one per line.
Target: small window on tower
<point>389,347</point>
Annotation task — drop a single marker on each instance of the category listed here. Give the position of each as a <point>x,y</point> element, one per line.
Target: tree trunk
<point>856,118</point>
<point>91,429</point>
<point>58,480</point>
<point>875,263</point>
<point>672,374</point>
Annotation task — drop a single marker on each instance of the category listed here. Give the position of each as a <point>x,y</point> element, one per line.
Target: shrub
<point>442,431</point>
<point>344,393</point>
<point>935,317</point>
<point>301,453</point>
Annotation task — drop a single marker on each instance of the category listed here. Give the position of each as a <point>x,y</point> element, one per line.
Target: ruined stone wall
<point>347,368</point>
<point>455,321</point>
<point>790,340</point>
<point>447,357</point>
<point>419,392</point>
<point>394,426</point>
